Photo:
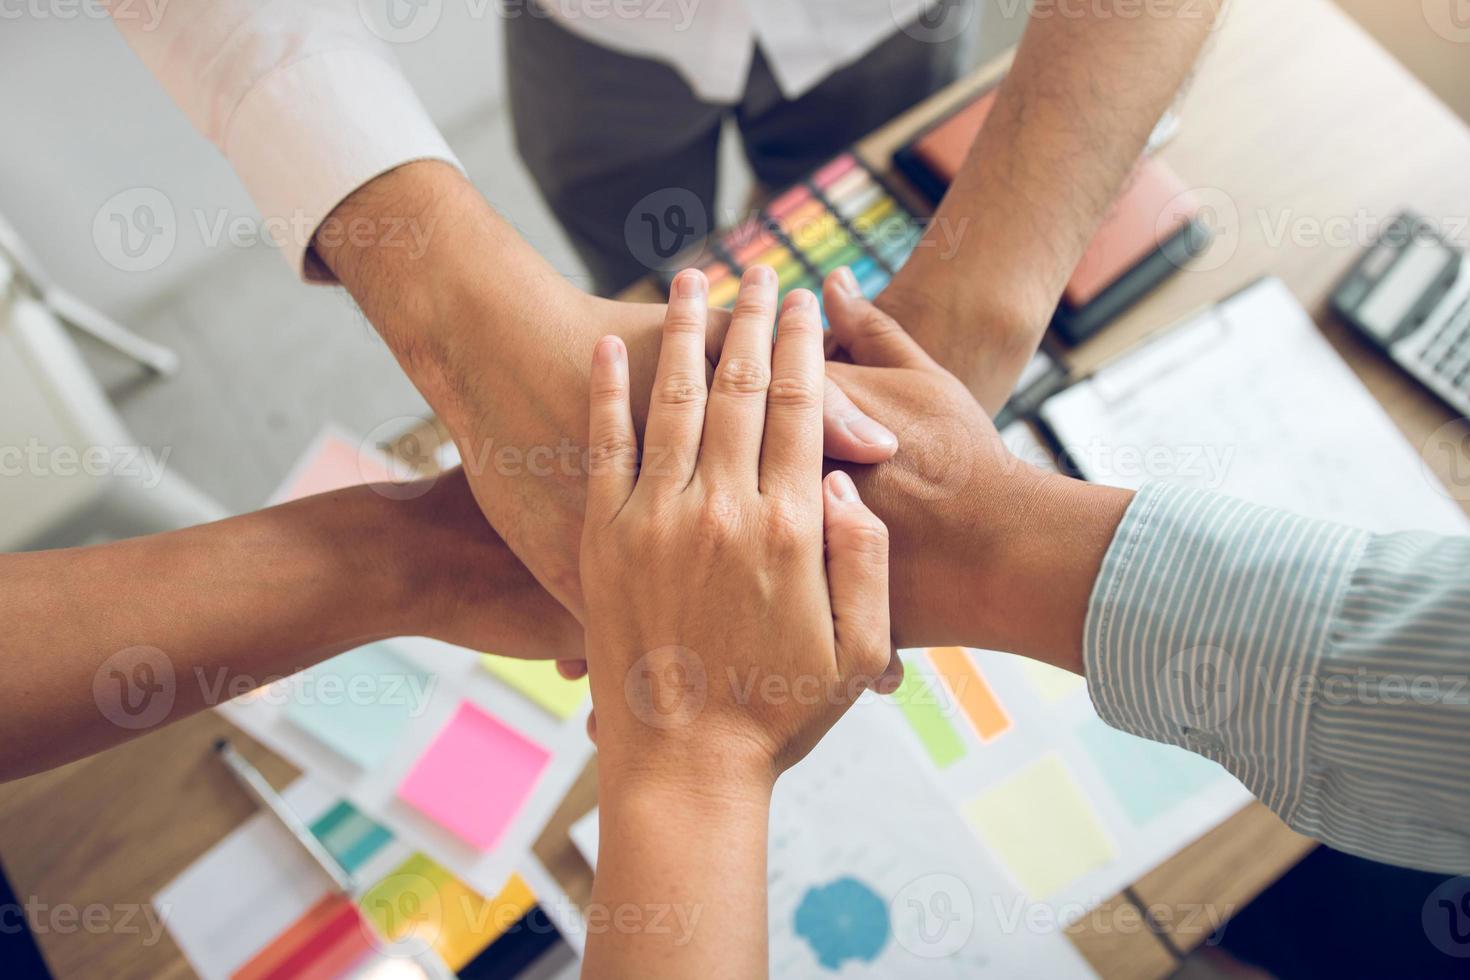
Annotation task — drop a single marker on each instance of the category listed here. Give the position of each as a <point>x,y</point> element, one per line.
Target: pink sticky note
<point>333,463</point>
<point>475,776</point>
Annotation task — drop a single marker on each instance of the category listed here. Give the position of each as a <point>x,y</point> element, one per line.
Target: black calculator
<point>1410,295</point>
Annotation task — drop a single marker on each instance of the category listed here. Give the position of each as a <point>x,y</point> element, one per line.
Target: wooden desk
<point>1299,132</point>
<point>1296,116</point>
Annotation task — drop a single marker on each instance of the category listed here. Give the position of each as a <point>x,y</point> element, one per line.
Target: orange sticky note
<point>969,688</point>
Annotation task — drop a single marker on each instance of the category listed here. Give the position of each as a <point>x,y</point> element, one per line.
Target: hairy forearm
<point>685,875</point>
<point>1088,84</point>
<point>110,641</point>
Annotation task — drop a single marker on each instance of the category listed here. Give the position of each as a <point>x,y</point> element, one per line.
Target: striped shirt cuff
<point>1209,618</point>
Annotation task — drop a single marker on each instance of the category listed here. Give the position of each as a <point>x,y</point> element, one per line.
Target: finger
<point>737,399</point>
<point>870,336</point>
<point>572,670</point>
<point>592,727</point>
<point>676,407</point>
<point>892,677</point>
<point>857,576</point>
<point>613,446</point>
<point>849,435</point>
<point>791,447</point>
<point>716,327</point>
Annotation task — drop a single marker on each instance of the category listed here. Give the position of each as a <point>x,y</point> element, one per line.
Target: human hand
<point>462,582</point>
<point>704,571</point>
<point>499,344</point>
<point>984,338</point>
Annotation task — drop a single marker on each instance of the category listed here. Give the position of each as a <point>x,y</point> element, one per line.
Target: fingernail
<point>870,433</point>
<point>846,281</point>
<point>799,299</point>
<point>608,352</point>
<point>689,284</point>
<point>760,275</point>
<point>842,487</point>
<point>887,684</point>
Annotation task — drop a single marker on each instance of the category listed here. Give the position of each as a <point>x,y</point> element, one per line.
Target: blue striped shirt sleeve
<point>1326,667</point>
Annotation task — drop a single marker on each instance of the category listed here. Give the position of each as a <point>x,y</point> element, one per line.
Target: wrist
<point>1033,586</point>
<point>443,288</point>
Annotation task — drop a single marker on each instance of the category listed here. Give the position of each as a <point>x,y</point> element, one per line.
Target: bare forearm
<point>1088,84</point>
<point>111,641</point>
<point>681,885</point>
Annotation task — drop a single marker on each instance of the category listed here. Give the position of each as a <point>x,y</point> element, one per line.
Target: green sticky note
<point>930,714</point>
<point>1042,827</point>
<point>360,703</point>
<point>1148,778</point>
<point>539,681</point>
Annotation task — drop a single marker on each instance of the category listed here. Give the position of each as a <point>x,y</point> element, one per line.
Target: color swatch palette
<point>843,214</point>
<point>475,776</point>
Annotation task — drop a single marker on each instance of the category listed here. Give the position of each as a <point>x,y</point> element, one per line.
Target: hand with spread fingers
<point>737,605</point>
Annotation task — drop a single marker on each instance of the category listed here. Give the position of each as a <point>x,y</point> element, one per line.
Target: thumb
<point>872,337</point>
<point>857,577</point>
<point>850,435</point>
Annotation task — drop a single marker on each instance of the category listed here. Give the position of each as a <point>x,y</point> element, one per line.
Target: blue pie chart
<point>841,921</point>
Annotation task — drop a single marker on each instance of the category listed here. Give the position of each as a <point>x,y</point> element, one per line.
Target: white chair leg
<point>79,316</point>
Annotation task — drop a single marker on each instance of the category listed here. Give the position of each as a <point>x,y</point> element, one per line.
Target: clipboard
<point>1247,398</point>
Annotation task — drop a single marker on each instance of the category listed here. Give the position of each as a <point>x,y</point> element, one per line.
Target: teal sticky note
<point>360,703</point>
<point>1148,778</point>
<point>351,836</point>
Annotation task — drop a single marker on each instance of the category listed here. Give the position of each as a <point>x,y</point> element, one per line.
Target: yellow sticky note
<point>1042,827</point>
<point>422,901</point>
<point>539,681</point>
<point>1052,683</point>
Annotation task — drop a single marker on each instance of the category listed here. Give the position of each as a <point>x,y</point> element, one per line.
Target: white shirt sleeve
<point>302,98</point>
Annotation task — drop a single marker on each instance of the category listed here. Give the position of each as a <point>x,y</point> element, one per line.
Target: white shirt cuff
<point>315,130</point>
